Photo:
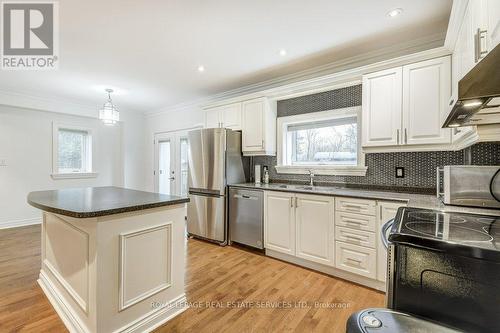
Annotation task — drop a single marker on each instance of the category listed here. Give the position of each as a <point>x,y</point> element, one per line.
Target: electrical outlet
<point>400,172</point>
<point>3,162</point>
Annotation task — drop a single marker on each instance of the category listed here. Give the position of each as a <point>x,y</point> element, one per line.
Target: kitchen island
<point>112,258</point>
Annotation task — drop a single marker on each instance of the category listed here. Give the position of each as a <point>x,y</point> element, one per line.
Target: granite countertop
<point>99,201</point>
<point>425,201</point>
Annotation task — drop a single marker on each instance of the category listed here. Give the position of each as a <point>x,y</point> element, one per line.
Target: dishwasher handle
<point>244,196</point>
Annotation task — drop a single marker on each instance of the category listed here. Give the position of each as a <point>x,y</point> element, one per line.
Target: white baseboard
<point>374,284</point>
<point>147,323</point>
<point>64,311</point>
<point>156,318</point>
<point>20,223</point>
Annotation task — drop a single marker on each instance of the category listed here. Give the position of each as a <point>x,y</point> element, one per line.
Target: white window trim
<point>55,144</point>
<point>332,170</point>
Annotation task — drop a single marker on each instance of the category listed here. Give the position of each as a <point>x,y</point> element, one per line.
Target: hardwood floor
<point>230,290</point>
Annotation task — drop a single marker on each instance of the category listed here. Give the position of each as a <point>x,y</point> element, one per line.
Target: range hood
<point>478,94</point>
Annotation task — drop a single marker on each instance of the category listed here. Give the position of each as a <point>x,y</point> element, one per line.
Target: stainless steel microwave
<point>469,185</point>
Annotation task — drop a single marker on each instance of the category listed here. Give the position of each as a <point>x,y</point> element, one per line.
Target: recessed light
<point>282,52</point>
<point>395,12</point>
<point>201,68</point>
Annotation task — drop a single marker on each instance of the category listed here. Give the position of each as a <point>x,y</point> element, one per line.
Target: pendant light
<point>109,114</point>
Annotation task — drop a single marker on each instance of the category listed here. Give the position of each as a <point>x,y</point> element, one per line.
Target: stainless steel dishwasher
<point>246,217</point>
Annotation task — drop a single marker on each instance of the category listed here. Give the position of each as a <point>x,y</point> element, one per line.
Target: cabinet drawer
<point>360,206</point>
<point>355,221</point>
<point>356,237</point>
<point>356,259</point>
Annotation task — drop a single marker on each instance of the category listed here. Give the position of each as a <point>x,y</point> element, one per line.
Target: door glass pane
<point>184,166</point>
<point>164,167</point>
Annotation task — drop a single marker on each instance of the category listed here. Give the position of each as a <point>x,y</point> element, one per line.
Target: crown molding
<point>329,75</point>
<point>456,17</point>
<point>39,103</point>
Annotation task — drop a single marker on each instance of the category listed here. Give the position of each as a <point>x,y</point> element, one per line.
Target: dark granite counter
<point>411,200</point>
<point>99,201</point>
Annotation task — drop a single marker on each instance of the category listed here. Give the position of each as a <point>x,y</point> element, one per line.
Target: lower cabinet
<point>279,222</point>
<point>341,233</point>
<point>356,259</point>
<point>387,211</point>
<point>301,225</point>
<point>314,228</point>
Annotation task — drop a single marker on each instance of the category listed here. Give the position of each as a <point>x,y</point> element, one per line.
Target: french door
<point>171,163</point>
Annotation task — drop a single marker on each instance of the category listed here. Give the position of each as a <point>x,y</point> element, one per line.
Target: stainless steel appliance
<point>478,94</point>
<point>469,185</point>
<point>445,267</point>
<point>215,159</point>
<point>246,217</point>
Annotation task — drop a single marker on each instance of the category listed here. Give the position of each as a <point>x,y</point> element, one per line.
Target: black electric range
<point>471,235</point>
<point>445,266</point>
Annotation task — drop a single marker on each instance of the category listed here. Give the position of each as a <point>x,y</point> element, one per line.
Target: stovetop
<point>470,234</point>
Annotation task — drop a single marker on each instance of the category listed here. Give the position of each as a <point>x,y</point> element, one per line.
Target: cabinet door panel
<point>279,222</point>
<point>253,120</point>
<point>212,119</point>
<point>426,92</point>
<point>388,211</point>
<point>382,93</point>
<point>231,116</point>
<point>314,219</point>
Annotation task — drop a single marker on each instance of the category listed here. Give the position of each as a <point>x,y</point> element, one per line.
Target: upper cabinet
<point>228,116</point>
<point>426,91</point>
<point>382,93</point>
<point>256,118</point>
<point>406,105</point>
<point>259,127</point>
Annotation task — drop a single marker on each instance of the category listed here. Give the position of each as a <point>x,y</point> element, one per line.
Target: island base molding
<point>116,273</point>
<point>371,283</point>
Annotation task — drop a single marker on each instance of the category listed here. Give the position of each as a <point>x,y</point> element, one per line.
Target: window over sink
<point>326,142</point>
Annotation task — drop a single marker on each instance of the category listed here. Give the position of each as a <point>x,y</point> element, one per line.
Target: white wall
<point>26,145</point>
<point>173,120</point>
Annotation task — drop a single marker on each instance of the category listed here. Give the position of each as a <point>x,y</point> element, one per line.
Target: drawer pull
<point>359,238</point>
<point>352,221</point>
<point>354,205</point>
<point>355,261</point>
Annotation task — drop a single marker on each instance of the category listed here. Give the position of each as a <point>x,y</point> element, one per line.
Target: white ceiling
<point>149,50</point>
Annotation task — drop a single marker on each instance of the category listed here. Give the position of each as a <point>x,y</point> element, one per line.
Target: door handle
<point>406,136</point>
<point>172,178</point>
<point>397,135</point>
<point>291,202</point>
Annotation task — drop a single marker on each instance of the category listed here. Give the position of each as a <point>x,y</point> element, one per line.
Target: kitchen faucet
<point>311,178</point>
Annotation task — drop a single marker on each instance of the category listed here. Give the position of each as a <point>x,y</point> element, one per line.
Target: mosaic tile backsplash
<point>420,167</point>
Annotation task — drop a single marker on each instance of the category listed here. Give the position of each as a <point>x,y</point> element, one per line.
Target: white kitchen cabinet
<point>493,23</point>
<point>387,211</point>
<point>314,220</point>
<point>382,93</point>
<point>279,222</point>
<point>426,91</point>
<point>406,106</point>
<point>259,127</point>
<point>227,116</point>
<point>212,118</point>
<point>356,259</point>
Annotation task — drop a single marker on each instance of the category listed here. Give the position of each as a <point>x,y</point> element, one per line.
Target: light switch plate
<point>400,172</point>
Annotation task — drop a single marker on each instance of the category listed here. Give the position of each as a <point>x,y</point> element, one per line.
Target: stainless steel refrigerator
<point>215,160</point>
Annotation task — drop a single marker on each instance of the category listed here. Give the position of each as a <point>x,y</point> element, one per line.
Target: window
<point>322,142</point>
<point>72,152</point>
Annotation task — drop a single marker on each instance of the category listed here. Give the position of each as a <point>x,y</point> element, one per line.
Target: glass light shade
<point>109,114</point>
